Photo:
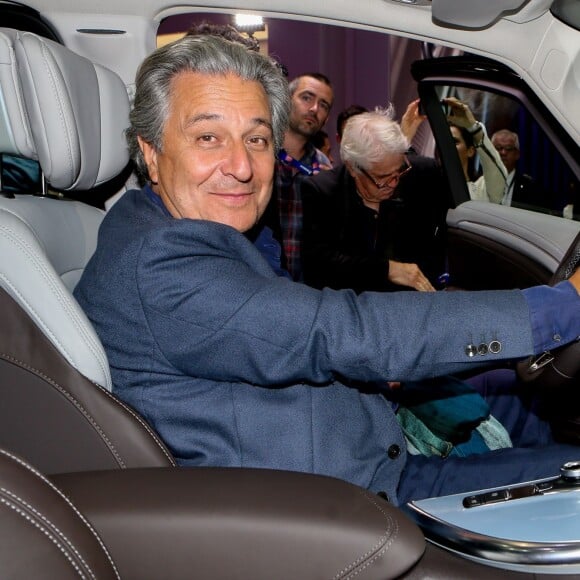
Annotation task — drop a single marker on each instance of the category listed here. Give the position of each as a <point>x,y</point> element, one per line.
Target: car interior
<point>88,488</point>
<point>59,415</point>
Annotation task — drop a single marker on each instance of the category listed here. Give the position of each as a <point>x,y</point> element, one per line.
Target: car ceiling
<point>102,30</point>
<point>466,15</point>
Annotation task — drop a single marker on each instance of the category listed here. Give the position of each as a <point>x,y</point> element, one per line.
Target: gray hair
<point>507,133</point>
<point>293,84</point>
<point>368,137</point>
<point>203,54</point>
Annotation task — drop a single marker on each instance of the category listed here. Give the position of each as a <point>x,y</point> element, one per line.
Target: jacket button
<point>470,350</point>
<point>394,451</point>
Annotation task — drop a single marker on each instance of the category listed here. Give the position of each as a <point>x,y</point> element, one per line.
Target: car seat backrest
<point>70,114</point>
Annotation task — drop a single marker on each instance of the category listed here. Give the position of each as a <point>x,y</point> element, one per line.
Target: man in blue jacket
<point>235,365</point>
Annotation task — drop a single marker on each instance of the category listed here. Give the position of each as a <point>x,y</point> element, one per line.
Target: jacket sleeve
<point>217,311</point>
<point>494,171</point>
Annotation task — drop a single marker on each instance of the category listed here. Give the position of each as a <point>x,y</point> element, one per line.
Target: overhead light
<point>249,23</point>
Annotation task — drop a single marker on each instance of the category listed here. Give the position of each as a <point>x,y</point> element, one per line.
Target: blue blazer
<point>236,366</point>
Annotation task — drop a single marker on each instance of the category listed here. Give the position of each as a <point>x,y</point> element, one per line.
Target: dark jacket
<point>347,245</point>
<point>529,194</point>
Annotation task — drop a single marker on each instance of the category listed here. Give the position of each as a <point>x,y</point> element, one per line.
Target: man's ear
<point>150,157</point>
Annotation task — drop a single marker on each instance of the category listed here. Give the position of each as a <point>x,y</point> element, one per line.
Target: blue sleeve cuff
<point>554,315</point>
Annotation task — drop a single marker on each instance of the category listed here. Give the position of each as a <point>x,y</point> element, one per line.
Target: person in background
<point>572,201</point>
<point>321,141</point>
<point>311,100</point>
<point>226,31</point>
<point>521,190</point>
<point>470,138</point>
<point>376,222</point>
<point>344,116</point>
<point>236,366</point>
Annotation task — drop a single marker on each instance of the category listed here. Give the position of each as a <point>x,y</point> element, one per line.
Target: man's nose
<point>314,106</point>
<point>238,162</point>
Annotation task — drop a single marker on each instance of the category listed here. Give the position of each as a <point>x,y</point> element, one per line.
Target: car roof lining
<point>473,14</point>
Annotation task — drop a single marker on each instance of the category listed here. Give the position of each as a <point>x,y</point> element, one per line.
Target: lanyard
<point>302,167</point>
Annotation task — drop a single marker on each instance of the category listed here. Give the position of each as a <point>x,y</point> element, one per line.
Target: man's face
<point>507,151</point>
<point>217,159</point>
<point>380,180</point>
<point>311,104</point>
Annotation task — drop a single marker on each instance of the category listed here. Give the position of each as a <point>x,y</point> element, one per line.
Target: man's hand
<point>575,279</point>
<point>409,275</point>
<point>411,120</point>
<point>459,113</point>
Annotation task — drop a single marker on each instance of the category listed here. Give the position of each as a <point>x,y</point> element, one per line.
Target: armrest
<point>175,523</point>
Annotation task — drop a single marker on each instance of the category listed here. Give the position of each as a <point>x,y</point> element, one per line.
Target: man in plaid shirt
<point>312,98</point>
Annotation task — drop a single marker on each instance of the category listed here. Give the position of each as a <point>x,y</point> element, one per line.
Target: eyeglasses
<point>390,181</point>
<point>506,148</point>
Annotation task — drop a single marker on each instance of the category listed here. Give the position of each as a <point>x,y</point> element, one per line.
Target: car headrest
<point>15,135</point>
<point>63,110</point>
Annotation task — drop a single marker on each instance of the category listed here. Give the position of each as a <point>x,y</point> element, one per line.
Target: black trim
<point>21,17</point>
<point>479,263</point>
<point>567,11</point>
<point>478,72</point>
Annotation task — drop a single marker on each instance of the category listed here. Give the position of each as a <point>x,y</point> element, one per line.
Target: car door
<point>490,245</point>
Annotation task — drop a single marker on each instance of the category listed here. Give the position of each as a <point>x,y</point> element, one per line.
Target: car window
<point>544,156</point>
<point>542,180</point>
<point>546,163</point>
<point>347,56</point>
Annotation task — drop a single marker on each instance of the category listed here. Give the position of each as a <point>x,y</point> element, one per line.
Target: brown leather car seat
<point>43,534</point>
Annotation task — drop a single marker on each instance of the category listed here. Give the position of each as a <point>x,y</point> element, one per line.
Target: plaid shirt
<point>288,179</point>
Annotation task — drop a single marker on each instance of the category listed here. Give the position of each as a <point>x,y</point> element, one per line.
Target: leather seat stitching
<point>385,539</point>
<point>54,537</point>
<point>66,499</point>
<point>104,391</point>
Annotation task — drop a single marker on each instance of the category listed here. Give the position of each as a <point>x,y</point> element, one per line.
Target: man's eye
<point>325,106</point>
<point>206,138</point>
<point>259,142</point>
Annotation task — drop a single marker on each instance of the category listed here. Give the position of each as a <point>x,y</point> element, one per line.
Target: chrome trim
<point>493,549</point>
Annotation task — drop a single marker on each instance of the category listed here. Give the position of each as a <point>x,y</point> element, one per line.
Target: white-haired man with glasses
<point>377,221</point>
